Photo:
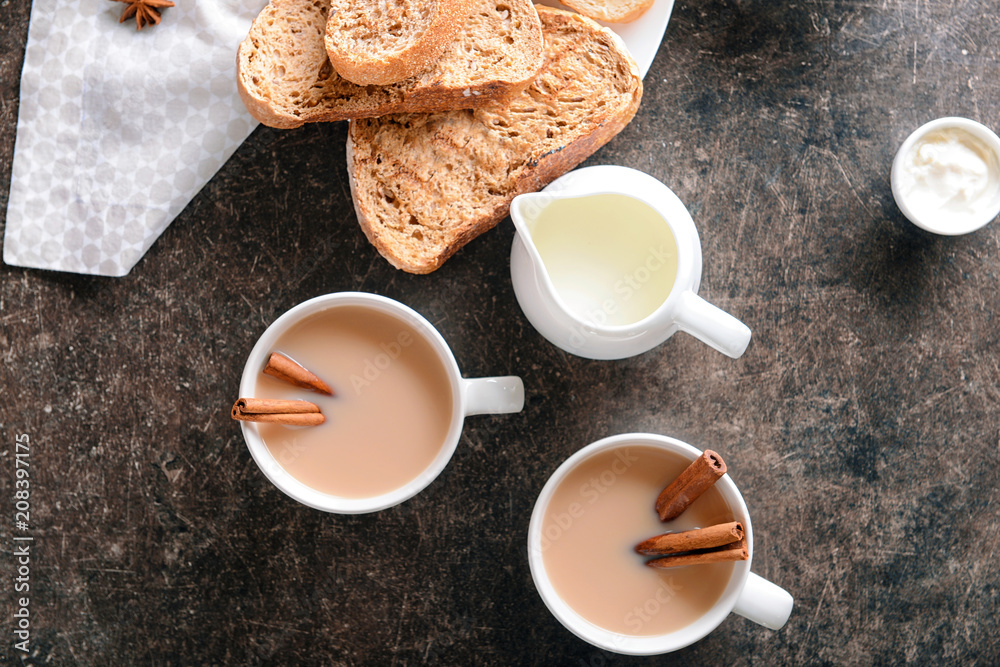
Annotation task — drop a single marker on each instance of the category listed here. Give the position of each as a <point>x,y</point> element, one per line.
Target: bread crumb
<point>466,92</point>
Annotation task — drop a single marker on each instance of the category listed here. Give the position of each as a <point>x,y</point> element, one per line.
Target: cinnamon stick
<point>290,371</point>
<point>277,411</point>
<point>736,551</point>
<point>703,472</point>
<point>692,540</point>
<point>272,406</point>
<point>307,419</point>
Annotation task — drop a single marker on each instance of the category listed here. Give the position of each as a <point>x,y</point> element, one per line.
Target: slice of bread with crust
<point>612,11</point>
<point>285,77</point>
<point>384,41</point>
<point>424,185</point>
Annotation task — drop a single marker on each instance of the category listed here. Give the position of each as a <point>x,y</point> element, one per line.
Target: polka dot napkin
<point>119,129</point>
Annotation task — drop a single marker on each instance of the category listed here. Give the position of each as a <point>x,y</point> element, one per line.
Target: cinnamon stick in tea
<point>278,411</point>
<point>692,540</point>
<point>290,371</point>
<point>703,472</point>
<point>731,552</point>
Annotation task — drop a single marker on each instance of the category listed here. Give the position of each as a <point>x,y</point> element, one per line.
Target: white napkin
<point>118,129</point>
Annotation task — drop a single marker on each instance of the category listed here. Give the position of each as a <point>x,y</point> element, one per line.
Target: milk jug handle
<point>712,325</point>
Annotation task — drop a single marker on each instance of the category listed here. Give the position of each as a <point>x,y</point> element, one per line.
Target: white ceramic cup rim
<point>933,223</point>
<point>614,641</point>
<point>307,495</point>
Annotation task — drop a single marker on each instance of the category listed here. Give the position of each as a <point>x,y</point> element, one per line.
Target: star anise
<point>146,12</point>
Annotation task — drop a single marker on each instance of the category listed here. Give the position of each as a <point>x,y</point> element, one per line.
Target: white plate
<point>643,35</point>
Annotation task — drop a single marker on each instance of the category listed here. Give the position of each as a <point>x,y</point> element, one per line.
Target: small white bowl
<point>932,220</point>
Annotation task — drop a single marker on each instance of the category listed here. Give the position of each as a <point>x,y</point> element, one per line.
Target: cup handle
<point>493,396</point>
<point>764,603</point>
<point>712,325</point>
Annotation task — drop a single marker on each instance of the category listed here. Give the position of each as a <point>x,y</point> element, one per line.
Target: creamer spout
<point>524,212</point>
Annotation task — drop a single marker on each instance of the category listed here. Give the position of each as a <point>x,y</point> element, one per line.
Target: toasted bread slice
<point>385,41</point>
<point>286,79</point>
<point>612,11</point>
<point>424,185</point>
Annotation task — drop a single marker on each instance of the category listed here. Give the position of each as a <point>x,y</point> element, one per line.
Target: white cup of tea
<point>744,592</point>
<point>407,333</point>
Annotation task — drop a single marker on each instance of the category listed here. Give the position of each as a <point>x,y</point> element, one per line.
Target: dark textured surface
<point>861,425</point>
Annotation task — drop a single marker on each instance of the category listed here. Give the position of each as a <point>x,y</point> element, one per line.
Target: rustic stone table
<point>862,423</point>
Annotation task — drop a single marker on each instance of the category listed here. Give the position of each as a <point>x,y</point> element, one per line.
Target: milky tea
<point>391,411</point>
<point>598,513</point>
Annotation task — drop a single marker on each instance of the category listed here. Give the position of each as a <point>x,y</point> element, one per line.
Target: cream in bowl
<point>397,409</point>
<point>946,176</point>
<point>582,538</point>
